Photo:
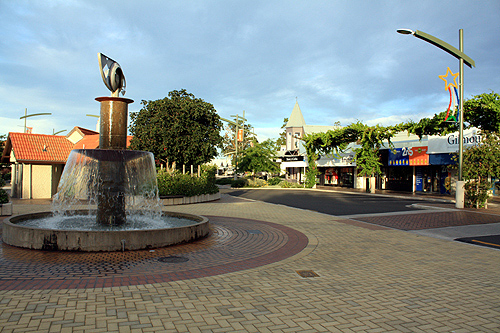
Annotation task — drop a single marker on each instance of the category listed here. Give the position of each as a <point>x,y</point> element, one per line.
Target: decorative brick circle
<point>233,245</point>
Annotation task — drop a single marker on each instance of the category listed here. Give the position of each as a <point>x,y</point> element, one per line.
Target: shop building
<point>410,164</point>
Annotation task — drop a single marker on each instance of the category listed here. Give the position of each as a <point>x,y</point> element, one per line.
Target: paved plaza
<point>264,268</point>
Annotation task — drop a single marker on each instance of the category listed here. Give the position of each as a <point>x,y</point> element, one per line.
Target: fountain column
<point>113,137</point>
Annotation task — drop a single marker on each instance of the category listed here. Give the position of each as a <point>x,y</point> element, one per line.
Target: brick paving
<point>370,279</point>
<point>429,220</point>
<point>233,244</point>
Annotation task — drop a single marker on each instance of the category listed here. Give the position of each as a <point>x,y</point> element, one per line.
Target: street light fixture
<point>26,115</point>
<point>463,58</point>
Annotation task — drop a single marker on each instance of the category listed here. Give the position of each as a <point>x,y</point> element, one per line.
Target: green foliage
<point>176,183</point>
<point>259,158</point>
<point>479,162</point>
<point>255,182</point>
<point>179,128</point>
<point>286,184</point>
<point>476,193</point>
<point>312,170</point>
<point>4,198</point>
<point>281,141</point>
<point>274,181</point>
<point>238,183</point>
<point>223,181</point>
<point>483,111</point>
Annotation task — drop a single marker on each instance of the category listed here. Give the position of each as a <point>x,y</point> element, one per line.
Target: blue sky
<point>342,60</point>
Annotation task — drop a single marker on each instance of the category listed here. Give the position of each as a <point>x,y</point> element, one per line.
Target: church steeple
<point>296,119</point>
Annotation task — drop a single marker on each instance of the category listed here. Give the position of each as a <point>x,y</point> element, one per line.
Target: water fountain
<point>107,198</point>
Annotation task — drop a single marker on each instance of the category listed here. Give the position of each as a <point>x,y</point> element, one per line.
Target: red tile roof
<point>88,142</point>
<point>50,149</point>
<point>40,148</point>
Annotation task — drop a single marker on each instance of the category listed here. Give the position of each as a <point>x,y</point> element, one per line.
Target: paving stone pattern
<point>370,280</point>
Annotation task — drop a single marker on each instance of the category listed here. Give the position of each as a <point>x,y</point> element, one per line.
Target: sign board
<point>449,143</point>
<point>293,158</point>
<point>410,156</point>
<point>240,135</point>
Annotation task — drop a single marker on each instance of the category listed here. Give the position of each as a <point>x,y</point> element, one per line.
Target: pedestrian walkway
<point>316,273</point>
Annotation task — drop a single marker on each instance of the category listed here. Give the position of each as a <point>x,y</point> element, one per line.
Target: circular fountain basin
<point>16,234</point>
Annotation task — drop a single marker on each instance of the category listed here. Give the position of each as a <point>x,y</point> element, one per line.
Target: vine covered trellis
<point>371,139</point>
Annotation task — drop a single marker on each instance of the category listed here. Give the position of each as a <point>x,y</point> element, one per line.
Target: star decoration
<point>446,84</point>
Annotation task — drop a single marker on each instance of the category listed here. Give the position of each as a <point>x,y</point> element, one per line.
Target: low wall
<point>180,200</point>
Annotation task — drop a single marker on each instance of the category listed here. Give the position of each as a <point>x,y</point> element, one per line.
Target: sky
<point>341,60</point>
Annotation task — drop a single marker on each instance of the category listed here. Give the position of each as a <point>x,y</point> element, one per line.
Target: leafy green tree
<point>479,162</point>
<point>483,111</point>
<point>259,158</point>
<point>281,141</point>
<point>179,128</point>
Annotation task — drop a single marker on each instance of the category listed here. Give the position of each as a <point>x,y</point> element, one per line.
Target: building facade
<point>410,163</point>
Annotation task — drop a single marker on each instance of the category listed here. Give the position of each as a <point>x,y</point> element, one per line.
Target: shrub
<point>238,183</point>
<point>255,182</point>
<point>476,193</point>
<point>176,183</point>
<point>274,181</point>
<point>285,184</point>
<point>224,181</point>
<point>4,198</point>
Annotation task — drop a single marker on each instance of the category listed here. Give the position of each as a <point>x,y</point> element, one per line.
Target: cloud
<point>342,60</point>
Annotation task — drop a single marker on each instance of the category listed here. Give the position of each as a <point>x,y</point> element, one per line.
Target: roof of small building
<point>82,131</point>
<point>37,148</point>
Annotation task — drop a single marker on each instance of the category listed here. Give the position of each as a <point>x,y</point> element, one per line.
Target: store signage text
<point>453,139</point>
<point>293,158</point>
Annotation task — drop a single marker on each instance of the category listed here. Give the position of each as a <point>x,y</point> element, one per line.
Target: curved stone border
<point>90,241</point>
<point>179,200</point>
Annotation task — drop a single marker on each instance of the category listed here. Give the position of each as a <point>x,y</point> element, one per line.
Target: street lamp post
<point>463,58</point>
<point>26,115</point>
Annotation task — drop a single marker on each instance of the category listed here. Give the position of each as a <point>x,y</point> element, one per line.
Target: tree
<point>179,128</point>
<point>259,158</point>
<point>230,134</point>
<point>483,111</point>
<point>281,141</point>
<point>479,162</point>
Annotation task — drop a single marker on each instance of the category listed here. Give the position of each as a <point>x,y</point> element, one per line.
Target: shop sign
<point>293,158</point>
<point>450,143</point>
<point>410,156</point>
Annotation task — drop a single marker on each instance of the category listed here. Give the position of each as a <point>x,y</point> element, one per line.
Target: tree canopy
<point>259,158</point>
<point>179,128</point>
<point>483,111</point>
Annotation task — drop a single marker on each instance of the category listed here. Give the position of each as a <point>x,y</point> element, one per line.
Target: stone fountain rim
<point>13,220</point>
<point>97,240</point>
